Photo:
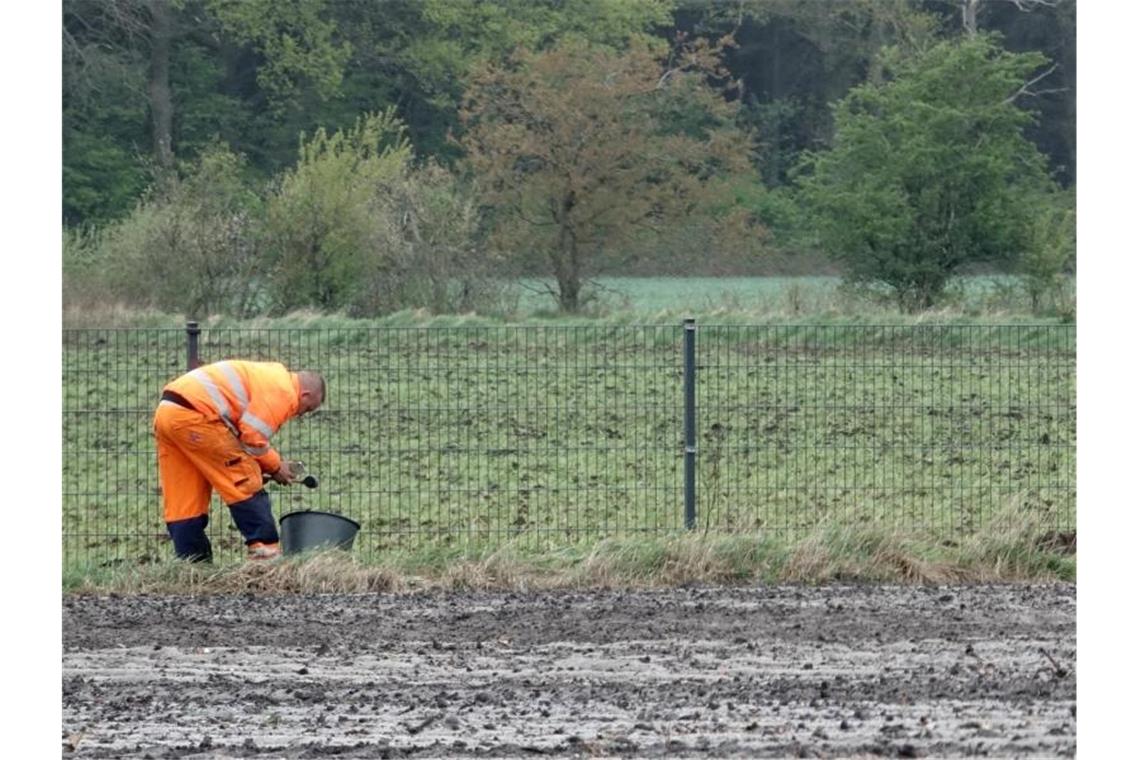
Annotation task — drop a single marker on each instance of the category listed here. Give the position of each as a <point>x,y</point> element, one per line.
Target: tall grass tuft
<point>316,573</point>
<point>1009,550</point>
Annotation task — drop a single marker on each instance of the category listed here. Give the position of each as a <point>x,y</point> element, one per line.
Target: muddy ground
<point>758,672</point>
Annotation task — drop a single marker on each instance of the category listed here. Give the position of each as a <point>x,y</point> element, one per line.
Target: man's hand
<point>284,474</point>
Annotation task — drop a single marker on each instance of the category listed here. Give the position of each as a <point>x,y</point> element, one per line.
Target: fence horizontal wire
<point>556,434</point>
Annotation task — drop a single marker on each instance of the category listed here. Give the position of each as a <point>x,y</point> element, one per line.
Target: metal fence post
<point>192,332</point>
<point>690,352</point>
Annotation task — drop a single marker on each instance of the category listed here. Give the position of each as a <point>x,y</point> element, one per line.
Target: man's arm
<point>283,474</point>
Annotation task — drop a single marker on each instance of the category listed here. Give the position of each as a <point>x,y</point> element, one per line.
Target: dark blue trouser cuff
<point>190,541</point>
<point>254,519</point>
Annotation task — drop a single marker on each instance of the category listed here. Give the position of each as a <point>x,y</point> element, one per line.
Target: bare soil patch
<point>836,671</point>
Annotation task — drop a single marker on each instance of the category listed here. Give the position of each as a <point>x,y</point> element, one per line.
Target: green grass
<point>463,431</point>
<point>764,298</point>
<point>554,432</point>
<point>700,295</point>
<point>655,300</point>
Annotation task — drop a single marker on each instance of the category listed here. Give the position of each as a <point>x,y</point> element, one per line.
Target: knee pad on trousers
<point>190,540</point>
<point>254,519</point>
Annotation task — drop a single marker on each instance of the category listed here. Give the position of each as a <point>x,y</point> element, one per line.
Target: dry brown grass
<point>875,556</point>
<point>1009,550</point>
<point>319,573</point>
<point>86,313</point>
<point>1014,545</point>
<point>322,573</point>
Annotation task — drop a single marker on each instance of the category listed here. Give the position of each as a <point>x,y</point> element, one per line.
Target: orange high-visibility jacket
<point>252,399</point>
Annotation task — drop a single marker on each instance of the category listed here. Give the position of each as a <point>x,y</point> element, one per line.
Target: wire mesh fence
<point>549,434</point>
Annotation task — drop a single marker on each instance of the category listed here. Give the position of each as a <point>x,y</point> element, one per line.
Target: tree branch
<point>1024,89</point>
<point>1027,5</point>
<point>514,209</point>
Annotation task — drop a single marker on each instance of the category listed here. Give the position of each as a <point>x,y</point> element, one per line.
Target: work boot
<point>259,551</point>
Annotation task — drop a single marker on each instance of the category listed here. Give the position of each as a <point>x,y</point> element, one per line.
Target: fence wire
<point>549,435</point>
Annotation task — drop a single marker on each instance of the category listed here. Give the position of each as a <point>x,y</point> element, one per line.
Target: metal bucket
<point>310,529</point>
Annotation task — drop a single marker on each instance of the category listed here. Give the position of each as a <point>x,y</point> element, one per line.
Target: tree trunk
<point>875,65</point>
<point>566,273</point>
<point>568,290</point>
<point>158,86</point>
<point>567,268</point>
<point>970,16</point>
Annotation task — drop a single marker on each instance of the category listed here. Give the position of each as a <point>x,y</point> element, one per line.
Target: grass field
<point>654,295</point>
<point>465,432</point>
<point>758,296</point>
<point>655,300</point>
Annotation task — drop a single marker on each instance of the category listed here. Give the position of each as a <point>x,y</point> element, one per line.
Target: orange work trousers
<point>196,455</point>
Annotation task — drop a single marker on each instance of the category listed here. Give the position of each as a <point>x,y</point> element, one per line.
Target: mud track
<point>759,672</point>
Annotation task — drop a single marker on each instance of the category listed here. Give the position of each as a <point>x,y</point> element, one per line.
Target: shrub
<point>325,242</point>
<point>81,259</point>
<point>1051,257</point>
<point>429,227</point>
<point>929,171</point>
<point>191,245</point>
<point>358,227</point>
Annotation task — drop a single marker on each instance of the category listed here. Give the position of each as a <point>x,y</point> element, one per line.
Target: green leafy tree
<point>104,112</point>
<point>1051,255</point>
<point>148,83</point>
<point>794,58</point>
<point>1046,26</point>
<point>297,42</point>
<point>323,232</point>
<point>579,149</point>
<point>929,170</point>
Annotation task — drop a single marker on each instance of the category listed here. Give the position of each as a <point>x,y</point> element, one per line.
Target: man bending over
<point>212,428</point>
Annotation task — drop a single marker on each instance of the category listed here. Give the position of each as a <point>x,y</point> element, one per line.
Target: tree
<point>930,170</point>
<point>322,218</point>
<point>296,41</point>
<point>580,148</point>
<point>149,82</point>
<point>126,29</point>
<point>1052,252</point>
<point>418,54</point>
<point>793,58</point>
<point>428,232</point>
<point>105,112</point>
<point>192,245</point>
<point>969,10</point>
<point>1045,26</point>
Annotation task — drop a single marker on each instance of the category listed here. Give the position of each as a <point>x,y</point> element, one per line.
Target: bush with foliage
<point>429,232</point>
<point>323,239</point>
<point>1051,257</point>
<point>357,226</point>
<point>191,246</point>
<point>930,170</point>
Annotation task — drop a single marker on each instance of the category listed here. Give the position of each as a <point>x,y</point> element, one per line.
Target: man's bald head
<point>312,391</point>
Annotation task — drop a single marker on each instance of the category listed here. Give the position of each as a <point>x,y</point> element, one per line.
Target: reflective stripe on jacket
<point>253,399</point>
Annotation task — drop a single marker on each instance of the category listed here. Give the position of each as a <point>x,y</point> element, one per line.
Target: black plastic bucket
<point>310,529</point>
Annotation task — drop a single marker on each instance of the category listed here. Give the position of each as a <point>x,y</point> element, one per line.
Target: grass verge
<point>1019,552</point>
